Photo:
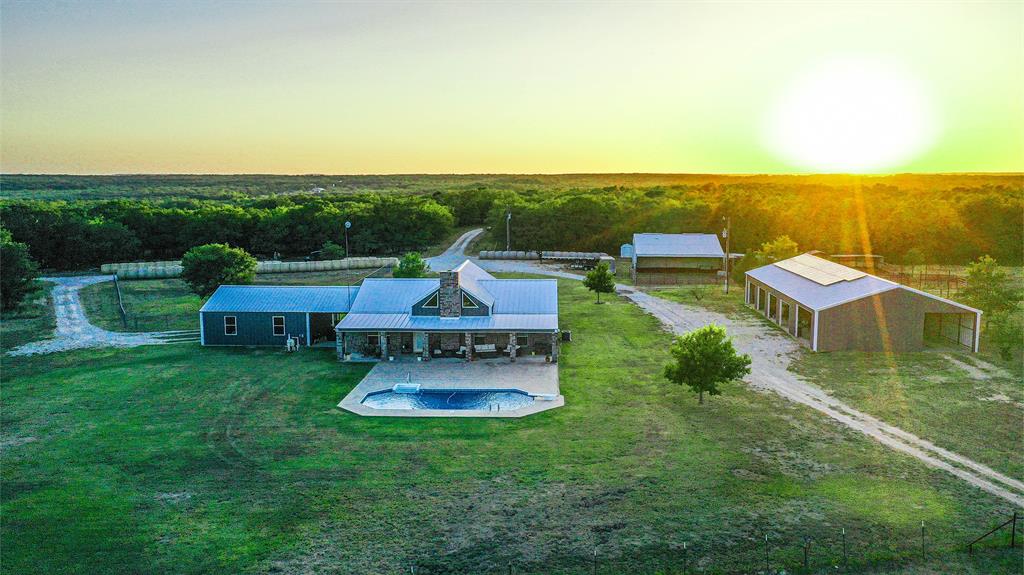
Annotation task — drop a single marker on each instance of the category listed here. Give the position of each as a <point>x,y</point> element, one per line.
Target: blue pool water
<point>455,399</point>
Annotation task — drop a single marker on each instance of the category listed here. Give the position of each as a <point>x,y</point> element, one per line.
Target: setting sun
<point>851,115</point>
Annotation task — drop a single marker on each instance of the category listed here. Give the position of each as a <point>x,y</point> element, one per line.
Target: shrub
<point>207,267</point>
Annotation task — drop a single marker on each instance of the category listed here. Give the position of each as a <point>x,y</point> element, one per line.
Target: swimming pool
<point>450,399</point>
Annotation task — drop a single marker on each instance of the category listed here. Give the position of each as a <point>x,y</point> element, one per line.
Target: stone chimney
<point>449,296</point>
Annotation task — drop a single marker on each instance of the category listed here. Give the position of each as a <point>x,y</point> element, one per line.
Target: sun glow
<point>851,115</point>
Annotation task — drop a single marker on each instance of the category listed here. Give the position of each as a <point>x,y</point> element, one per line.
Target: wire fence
<point>828,549</point>
<point>120,302</point>
<point>944,281</point>
<point>668,279</point>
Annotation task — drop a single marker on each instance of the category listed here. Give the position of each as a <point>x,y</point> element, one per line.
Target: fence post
<point>767,566</point>
<point>845,560</point>
<point>594,570</point>
<point>922,540</point>
<point>684,557</point>
<point>1013,531</point>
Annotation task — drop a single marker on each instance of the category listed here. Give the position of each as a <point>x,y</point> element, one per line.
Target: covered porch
<point>428,345</point>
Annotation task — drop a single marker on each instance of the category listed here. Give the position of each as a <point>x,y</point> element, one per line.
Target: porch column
<point>469,347</point>
<point>512,346</point>
<point>383,338</point>
<point>554,348</point>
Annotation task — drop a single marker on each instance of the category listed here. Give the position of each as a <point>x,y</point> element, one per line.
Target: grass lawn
<point>929,395</point>
<point>168,304</point>
<point>190,460</point>
<point>32,321</point>
<point>709,297</point>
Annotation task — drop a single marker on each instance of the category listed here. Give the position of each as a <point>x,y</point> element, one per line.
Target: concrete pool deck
<point>532,375</point>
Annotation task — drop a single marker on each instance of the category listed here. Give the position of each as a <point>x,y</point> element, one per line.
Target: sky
<point>354,88</point>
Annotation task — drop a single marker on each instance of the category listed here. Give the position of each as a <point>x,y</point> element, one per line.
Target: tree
<point>1007,332</point>
<point>332,251</point>
<point>781,248</point>
<point>411,266</point>
<point>913,257</point>
<point>207,267</point>
<point>704,359</point>
<point>989,288</point>
<point>19,272</point>
<point>600,280</point>
<point>739,268</point>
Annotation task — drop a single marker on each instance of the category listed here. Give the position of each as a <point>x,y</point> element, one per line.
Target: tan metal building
<point>667,253</point>
<point>831,307</point>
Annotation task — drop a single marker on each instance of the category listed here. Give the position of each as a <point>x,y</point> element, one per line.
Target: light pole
<point>508,231</point>
<point>348,225</point>
<point>725,234</point>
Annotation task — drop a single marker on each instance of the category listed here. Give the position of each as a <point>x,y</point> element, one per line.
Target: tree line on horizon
<point>913,225</point>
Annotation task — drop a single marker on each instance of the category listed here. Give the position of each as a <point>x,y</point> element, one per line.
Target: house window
<point>278,324</point>
<point>522,340</point>
<point>432,302</point>
<point>468,301</point>
<point>230,325</point>
<point>373,340</point>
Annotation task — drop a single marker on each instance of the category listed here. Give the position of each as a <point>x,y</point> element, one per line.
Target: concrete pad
<point>531,375</point>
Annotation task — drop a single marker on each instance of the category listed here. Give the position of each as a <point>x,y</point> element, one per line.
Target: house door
<point>418,341</point>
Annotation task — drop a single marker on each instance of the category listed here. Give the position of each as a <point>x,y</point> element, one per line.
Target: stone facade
<point>449,296</point>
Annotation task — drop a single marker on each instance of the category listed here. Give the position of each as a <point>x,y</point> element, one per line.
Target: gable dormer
<point>450,300</point>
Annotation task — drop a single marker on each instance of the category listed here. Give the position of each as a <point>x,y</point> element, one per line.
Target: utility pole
<point>508,230</point>
<point>725,234</point>
<point>348,225</point>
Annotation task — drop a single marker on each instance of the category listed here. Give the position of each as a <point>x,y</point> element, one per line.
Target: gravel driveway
<point>771,352</point>
<point>74,330</point>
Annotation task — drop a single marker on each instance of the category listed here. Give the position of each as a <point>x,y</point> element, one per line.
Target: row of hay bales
<point>172,269</point>
<point>507,255</point>
<point>515,255</point>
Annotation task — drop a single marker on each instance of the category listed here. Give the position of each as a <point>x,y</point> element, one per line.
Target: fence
<point>669,279</point>
<point>120,303</point>
<point>941,281</point>
<point>831,549</point>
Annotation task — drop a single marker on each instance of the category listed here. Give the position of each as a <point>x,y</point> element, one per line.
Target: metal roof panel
<point>261,298</point>
<point>677,245</point>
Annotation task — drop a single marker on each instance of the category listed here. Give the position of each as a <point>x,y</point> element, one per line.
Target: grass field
<point>931,396</point>
<point>190,460</point>
<point>709,297</point>
<point>32,321</point>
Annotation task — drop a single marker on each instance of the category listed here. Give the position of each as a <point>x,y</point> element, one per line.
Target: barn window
<point>373,340</point>
<point>278,324</point>
<point>468,301</point>
<point>230,325</point>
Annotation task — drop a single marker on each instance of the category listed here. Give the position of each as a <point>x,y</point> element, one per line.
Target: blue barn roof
<point>677,245</point>
<point>302,299</point>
